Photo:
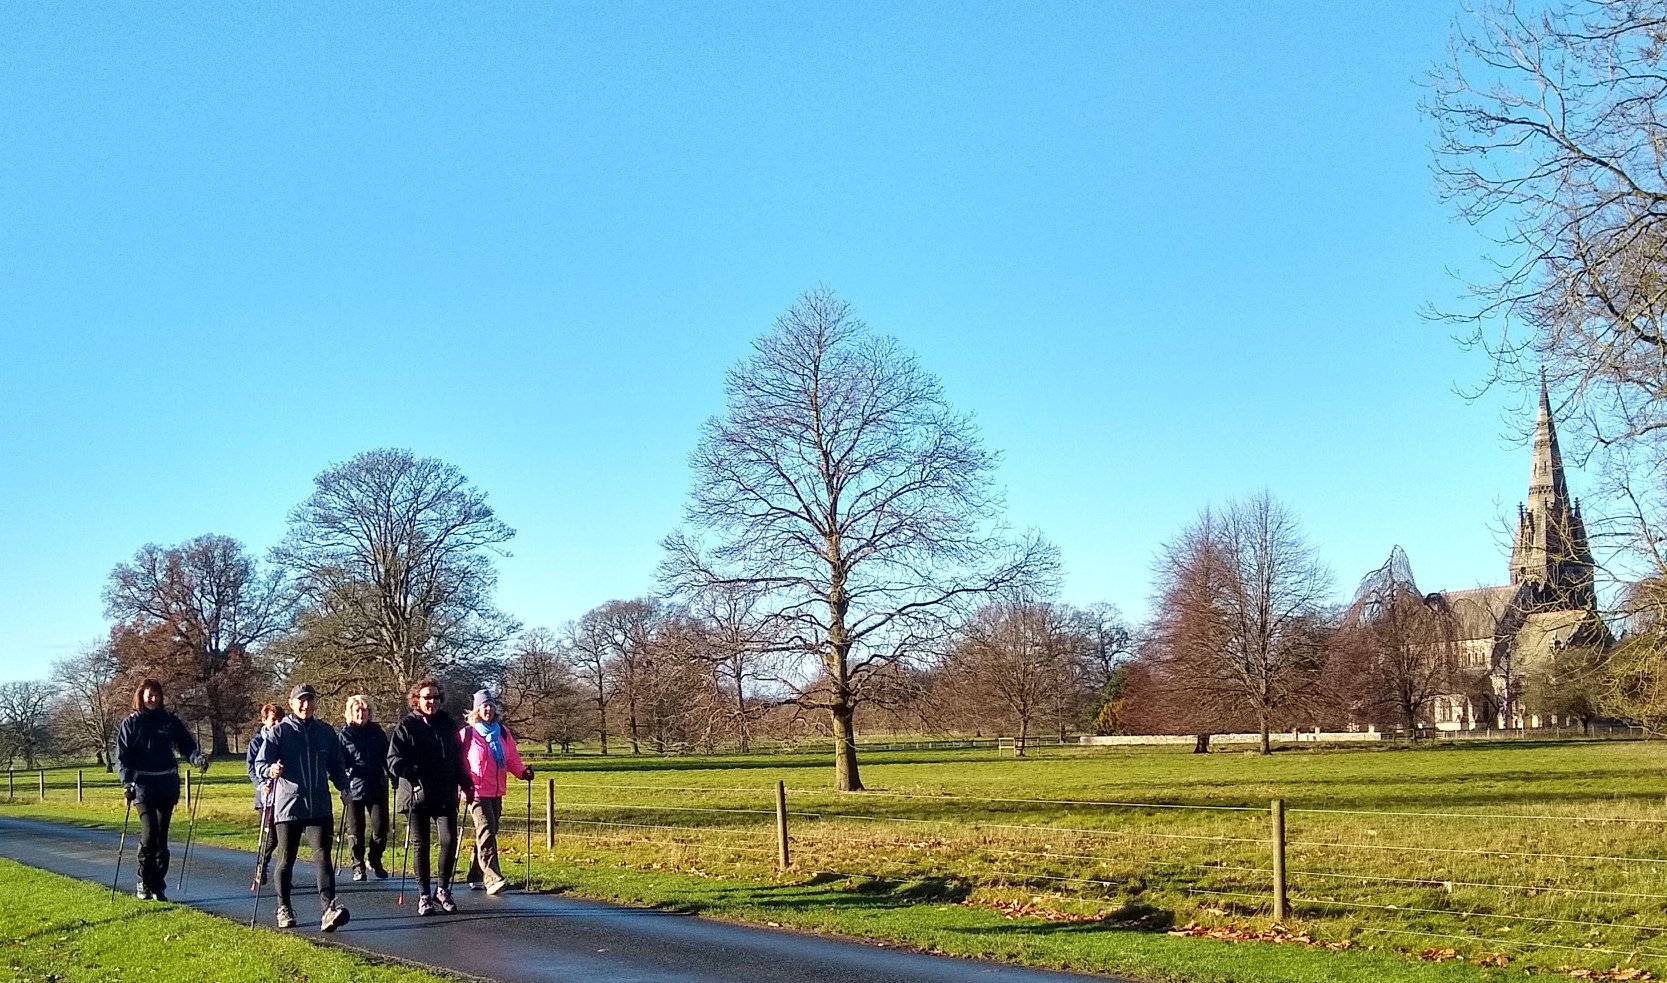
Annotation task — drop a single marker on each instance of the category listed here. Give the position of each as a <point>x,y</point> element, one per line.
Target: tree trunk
<point>1201,744</point>
<point>846,778</point>
<point>1267,746</point>
<point>218,739</point>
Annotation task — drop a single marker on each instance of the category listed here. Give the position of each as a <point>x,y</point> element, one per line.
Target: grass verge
<point>59,930</point>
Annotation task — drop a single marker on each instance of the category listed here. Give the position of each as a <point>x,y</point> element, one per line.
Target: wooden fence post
<point>43,782</point>
<point>1279,860</point>
<point>550,814</point>
<point>80,795</point>
<point>11,784</point>
<point>781,825</point>
<point>187,789</point>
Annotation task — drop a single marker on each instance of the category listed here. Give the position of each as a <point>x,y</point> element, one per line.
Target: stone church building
<point>1509,632</point>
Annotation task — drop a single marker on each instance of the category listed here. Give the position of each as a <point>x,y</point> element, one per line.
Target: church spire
<point>1551,546</point>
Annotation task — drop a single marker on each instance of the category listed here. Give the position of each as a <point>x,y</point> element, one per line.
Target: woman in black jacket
<point>427,759</point>
<point>145,762</point>
<point>365,747</point>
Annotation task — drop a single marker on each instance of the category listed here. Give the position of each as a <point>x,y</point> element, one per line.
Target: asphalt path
<point>526,938</point>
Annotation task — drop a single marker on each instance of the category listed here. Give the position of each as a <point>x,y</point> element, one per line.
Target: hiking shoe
<point>380,871</point>
<point>143,894</point>
<point>358,872</point>
<point>475,885</point>
<point>497,887</point>
<point>286,916</point>
<point>443,899</point>
<point>425,905</point>
<point>157,894</point>
<point>335,917</point>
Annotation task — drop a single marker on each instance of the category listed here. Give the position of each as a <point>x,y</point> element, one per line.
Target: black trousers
<point>154,819</point>
<point>317,833</point>
<point>358,811</point>
<point>445,833</point>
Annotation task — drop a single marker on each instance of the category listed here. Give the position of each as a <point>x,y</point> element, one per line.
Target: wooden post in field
<point>11,784</point>
<point>781,825</point>
<point>188,789</point>
<point>80,796</point>
<point>550,814</point>
<point>43,782</point>
<point>1279,860</point>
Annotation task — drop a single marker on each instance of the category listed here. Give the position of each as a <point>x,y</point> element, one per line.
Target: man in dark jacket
<point>302,756</point>
<point>145,762</point>
<point>427,758</point>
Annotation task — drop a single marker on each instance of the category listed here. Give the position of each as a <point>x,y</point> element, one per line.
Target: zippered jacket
<point>491,781</point>
<point>145,745</point>
<point>365,750</point>
<point>312,758</point>
<point>424,754</point>
<point>263,787</point>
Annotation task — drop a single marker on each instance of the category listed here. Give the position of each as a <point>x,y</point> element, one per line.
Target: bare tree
<point>1238,623</point>
<point>739,645</point>
<point>842,488</point>
<point>206,606</point>
<point>24,705</point>
<point>394,553</point>
<point>1398,650</point>
<point>541,692</point>
<point>88,703</point>
<point>1022,663</point>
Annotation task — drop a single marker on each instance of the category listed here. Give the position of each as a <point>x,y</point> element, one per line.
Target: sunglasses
<point>430,698</point>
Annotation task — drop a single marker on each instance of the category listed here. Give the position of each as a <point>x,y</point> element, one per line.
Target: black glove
<point>200,760</point>
<point>527,774</point>
<point>129,792</point>
<point>418,797</point>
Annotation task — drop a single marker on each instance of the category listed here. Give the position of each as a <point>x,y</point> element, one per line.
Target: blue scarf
<point>494,738</point>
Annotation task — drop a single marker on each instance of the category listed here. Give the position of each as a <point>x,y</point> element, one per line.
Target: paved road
<point>537,938</point>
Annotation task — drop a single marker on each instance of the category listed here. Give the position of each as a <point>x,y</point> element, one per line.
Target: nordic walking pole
<point>260,846</point>
<point>121,847</point>
<point>341,824</point>
<point>404,859</point>
<point>190,831</point>
<point>527,854</point>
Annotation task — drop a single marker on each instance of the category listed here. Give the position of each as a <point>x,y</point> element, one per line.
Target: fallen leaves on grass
<point>1622,973</point>
<point>1033,909</point>
<point>1244,933</point>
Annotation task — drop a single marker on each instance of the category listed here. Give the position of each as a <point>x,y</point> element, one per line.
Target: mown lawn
<point>1543,856</point>
<point>57,930</point>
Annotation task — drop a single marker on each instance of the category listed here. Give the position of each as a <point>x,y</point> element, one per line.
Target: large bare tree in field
<point>1397,650</point>
<point>394,555</point>
<point>841,487</point>
<point>194,615</point>
<point>1238,625</point>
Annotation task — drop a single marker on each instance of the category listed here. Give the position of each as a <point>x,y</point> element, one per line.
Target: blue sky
<point>1166,256</point>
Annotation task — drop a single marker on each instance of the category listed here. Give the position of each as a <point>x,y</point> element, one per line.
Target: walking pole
<point>190,830</point>
<point>121,848</point>
<point>260,846</point>
<point>341,824</point>
<point>527,854</point>
<point>404,858</point>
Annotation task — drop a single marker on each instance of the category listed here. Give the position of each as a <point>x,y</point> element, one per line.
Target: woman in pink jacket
<point>490,752</point>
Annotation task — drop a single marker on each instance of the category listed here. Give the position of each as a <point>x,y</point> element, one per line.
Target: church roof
<point>1479,609</point>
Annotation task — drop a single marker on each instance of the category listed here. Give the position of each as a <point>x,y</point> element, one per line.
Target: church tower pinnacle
<point>1551,549</point>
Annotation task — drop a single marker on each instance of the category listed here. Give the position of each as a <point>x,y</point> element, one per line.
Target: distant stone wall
<point>1281,737</point>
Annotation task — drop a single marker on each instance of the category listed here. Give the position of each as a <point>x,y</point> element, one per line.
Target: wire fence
<point>1590,877</point>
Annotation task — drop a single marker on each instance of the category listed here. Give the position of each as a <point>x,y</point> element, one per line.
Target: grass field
<point>58,930</point>
<point>1436,863</point>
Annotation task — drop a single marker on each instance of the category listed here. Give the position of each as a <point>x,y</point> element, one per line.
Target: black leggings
<point>358,810</point>
<point>154,819</point>
<point>445,828</point>
<point>317,832</point>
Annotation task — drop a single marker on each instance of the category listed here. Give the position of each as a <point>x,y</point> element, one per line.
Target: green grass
<point>70,931</point>
<point>1032,861</point>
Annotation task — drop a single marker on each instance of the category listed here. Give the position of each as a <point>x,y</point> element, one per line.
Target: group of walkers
<point>430,760</point>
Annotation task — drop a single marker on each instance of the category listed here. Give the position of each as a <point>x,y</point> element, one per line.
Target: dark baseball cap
<point>305,689</point>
